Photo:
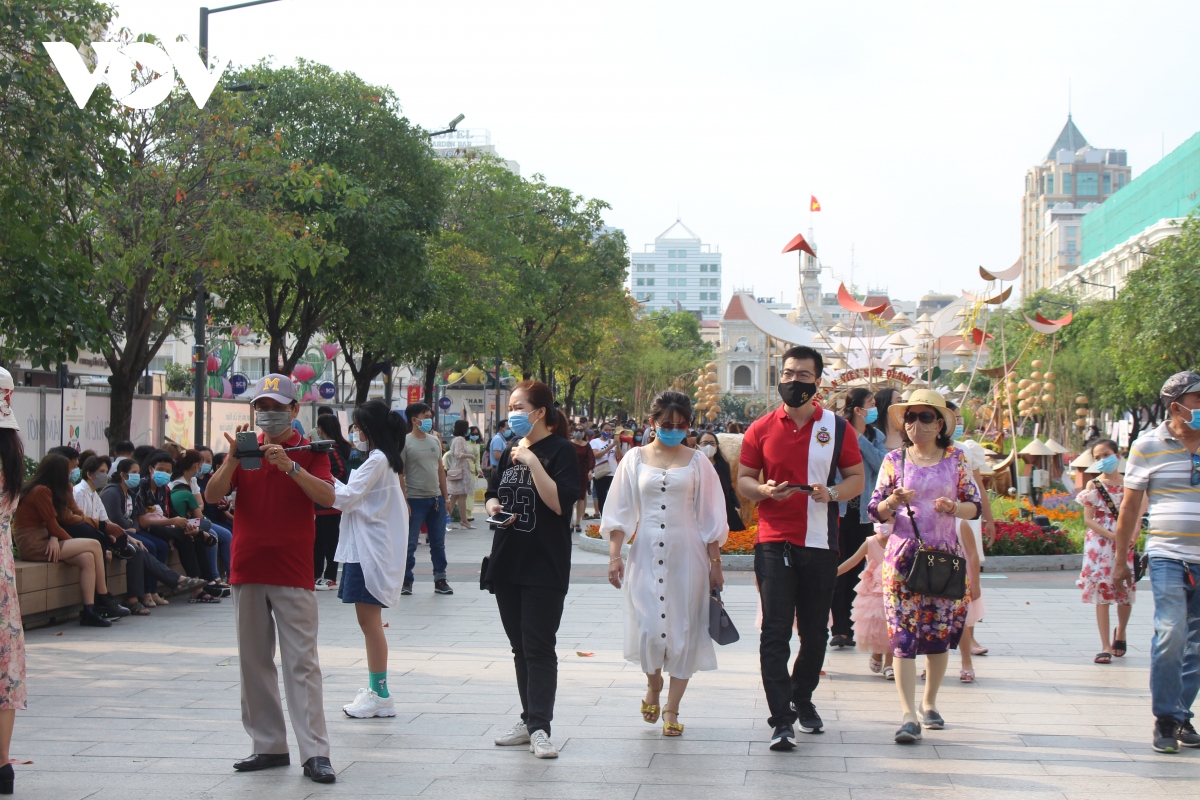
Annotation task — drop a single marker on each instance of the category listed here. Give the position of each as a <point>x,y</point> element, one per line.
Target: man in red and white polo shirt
<point>790,459</point>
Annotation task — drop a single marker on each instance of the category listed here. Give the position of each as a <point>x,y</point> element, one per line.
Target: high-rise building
<point>679,273</point>
<point>464,142</point>
<point>1072,180</point>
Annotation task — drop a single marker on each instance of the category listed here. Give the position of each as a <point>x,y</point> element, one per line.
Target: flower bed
<point>1020,538</point>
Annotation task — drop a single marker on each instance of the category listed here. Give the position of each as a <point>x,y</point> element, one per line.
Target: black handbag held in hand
<point>934,573</point>
<point>720,626</point>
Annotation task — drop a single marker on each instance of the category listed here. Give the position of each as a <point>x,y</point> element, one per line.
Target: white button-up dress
<point>676,514</point>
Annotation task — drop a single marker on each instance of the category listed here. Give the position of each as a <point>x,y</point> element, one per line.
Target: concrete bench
<point>49,593</point>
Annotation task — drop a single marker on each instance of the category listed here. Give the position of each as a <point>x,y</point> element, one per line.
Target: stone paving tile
<point>1042,721</point>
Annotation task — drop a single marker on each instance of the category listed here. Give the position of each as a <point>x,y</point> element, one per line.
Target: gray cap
<point>1179,384</point>
<point>277,387</point>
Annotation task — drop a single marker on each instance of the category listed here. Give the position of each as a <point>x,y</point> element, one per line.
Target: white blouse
<point>89,502</point>
<point>374,526</point>
<point>676,514</point>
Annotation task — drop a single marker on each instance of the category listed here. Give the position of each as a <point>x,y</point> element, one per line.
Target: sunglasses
<point>666,426</point>
<point>1195,469</point>
<point>926,417</point>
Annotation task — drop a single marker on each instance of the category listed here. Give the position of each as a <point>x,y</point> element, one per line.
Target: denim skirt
<point>353,588</point>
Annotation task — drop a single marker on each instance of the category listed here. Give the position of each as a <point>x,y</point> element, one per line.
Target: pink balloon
<point>226,389</point>
<point>330,350</point>
<point>214,363</point>
<point>303,373</point>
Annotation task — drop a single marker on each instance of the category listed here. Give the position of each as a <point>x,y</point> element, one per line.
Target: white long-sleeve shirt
<point>374,526</point>
<point>89,502</point>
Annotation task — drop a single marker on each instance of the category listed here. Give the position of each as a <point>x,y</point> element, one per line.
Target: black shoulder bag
<point>1141,561</point>
<point>934,573</point>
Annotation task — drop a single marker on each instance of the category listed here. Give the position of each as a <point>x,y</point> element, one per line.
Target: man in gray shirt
<point>424,485</point>
<point>1164,466</point>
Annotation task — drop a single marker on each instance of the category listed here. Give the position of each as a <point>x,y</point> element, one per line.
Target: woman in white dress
<point>671,497</point>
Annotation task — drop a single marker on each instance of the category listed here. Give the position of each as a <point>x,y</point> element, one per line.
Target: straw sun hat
<point>921,397</point>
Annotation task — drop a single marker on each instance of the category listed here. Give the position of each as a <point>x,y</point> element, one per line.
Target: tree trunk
<point>120,410</point>
<point>572,382</point>
<point>593,387</point>
<point>431,366</point>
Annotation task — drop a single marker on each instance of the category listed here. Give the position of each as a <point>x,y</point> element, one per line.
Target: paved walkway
<point>149,709</point>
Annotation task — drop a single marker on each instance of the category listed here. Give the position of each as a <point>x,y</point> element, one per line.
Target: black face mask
<point>797,393</point>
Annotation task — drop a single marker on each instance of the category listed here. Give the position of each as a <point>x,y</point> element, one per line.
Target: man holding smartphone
<point>271,573</point>
<point>797,450</point>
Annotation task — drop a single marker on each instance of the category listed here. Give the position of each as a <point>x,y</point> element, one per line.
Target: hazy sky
<point>912,122</point>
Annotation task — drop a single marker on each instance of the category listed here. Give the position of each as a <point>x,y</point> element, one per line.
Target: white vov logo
<point>117,63</point>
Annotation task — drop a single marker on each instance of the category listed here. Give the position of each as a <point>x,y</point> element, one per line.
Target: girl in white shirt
<point>373,543</point>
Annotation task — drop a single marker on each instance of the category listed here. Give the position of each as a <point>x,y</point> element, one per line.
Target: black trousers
<point>851,535</point>
<point>186,546</point>
<point>799,590</point>
<point>602,486</point>
<point>325,546</point>
<point>530,615</point>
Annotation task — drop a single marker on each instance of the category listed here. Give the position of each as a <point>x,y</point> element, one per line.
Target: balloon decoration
<point>330,349</point>
<point>308,371</point>
<point>708,393</point>
<point>218,364</point>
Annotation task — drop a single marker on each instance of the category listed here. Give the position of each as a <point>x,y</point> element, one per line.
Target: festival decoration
<point>854,307</point>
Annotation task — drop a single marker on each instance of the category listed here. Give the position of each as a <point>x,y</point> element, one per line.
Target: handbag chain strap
<point>900,485</point>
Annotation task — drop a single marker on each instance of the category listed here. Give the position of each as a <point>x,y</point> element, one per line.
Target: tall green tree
<point>51,157</point>
<point>382,225</point>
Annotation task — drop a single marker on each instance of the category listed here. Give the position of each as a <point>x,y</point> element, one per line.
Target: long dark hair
<point>883,400</point>
<point>461,426</point>
<point>331,428</point>
<point>12,462</point>
<point>189,459</point>
<point>539,396</point>
<point>55,474</point>
<point>384,428</point>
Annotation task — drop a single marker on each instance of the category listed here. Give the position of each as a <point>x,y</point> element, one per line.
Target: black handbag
<point>720,626</point>
<point>1141,561</point>
<point>484,584</point>
<point>934,573</point>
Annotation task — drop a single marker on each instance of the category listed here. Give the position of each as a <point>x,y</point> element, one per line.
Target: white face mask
<point>709,450</point>
<point>360,444</point>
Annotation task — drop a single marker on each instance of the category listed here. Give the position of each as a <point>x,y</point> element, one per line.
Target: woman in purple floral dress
<point>933,478</point>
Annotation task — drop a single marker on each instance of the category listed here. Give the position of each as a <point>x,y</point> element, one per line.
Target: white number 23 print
<point>521,501</point>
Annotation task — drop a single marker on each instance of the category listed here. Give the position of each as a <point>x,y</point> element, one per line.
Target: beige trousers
<point>258,610</point>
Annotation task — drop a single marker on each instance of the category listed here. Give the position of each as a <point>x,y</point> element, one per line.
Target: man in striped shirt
<point>1164,465</point>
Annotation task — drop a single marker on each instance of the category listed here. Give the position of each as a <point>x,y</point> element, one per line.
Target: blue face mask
<point>474,437</point>
<point>1107,464</point>
<point>427,425</point>
<point>670,438</point>
<point>133,481</point>
<point>1194,422</point>
<point>606,435</point>
<point>205,468</point>
<point>958,431</point>
<point>519,424</point>
<point>161,478</point>
<point>872,415</point>
<point>75,475</point>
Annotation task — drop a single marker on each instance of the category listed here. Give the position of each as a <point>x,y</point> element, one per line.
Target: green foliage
<point>50,164</point>
<point>179,377</point>
<point>680,330</point>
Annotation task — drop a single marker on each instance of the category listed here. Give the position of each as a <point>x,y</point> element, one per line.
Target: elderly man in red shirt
<point>271,574</point>
<point>798,450</point>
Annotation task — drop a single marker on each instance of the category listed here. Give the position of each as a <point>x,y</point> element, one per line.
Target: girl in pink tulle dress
<point>867,612</point>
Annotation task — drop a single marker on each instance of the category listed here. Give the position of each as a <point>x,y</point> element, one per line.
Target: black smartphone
<point>248,452</point>
<point>500,519</point>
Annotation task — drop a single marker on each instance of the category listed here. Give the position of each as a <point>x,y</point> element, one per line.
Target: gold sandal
<point>671,728</point>
<point>650,712</point>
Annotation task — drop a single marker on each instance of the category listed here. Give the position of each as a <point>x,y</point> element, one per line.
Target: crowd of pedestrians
<point>850,506</point>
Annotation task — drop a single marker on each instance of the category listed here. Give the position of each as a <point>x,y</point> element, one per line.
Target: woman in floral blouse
<point>1100,501</point>
<point>932,477</point>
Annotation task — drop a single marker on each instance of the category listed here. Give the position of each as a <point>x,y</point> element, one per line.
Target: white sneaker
<point>321,585</point>
<point>369,704</point>
<point>540,745</point>
<point>517,734</point>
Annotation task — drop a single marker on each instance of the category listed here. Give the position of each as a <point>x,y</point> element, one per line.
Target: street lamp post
<point>199,349</point>
<point>1101,285</point>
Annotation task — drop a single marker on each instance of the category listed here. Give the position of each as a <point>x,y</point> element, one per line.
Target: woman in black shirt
<point>529,569</point>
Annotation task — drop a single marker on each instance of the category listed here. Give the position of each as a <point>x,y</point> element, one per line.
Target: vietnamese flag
<point>813,205</point>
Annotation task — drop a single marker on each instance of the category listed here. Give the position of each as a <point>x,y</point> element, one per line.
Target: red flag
<point>813,205</point>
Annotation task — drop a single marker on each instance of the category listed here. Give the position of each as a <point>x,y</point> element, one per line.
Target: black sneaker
<point>90,618</point>
<point>442,586</point>
<point>107,606</point>
<point>809,720</point>
<point>909,732</point>
<point>784,738</point>
<point>406,589</point>
<point>1187,735</point>
<point>838,641</point>
<point>1166,738</point>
